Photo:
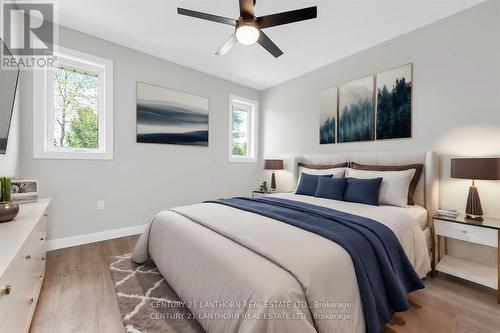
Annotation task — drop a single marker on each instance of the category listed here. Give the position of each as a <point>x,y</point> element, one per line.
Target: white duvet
<point>242,272</point>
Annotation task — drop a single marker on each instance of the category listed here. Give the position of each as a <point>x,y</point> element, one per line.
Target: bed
<point>238,271</point>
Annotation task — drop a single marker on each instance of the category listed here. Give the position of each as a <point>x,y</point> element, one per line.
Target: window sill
<point>73,155</point>
<point>242,159</point>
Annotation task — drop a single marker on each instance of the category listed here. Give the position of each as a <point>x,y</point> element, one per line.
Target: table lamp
<point>475,169</point>
<point>273,165</point>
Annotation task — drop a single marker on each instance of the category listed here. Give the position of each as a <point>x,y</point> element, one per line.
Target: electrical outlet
<point>100,204</point>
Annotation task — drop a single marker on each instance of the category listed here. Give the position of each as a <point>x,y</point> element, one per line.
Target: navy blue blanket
<point>385,275</point>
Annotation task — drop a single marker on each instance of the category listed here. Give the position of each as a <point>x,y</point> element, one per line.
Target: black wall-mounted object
<point>8,86</point>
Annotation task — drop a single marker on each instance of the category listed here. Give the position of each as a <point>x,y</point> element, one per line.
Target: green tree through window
<point>75,108</point>
<point>240,136</point>
<point>84,129</point>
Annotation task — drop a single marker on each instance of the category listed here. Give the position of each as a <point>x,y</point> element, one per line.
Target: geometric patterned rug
<point>147,303</point>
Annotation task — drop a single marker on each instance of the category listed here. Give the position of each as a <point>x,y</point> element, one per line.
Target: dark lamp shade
<point>475,168</point>
<point>273,164</point>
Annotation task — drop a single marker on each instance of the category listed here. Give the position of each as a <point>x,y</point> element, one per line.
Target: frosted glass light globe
<point>247,34</point>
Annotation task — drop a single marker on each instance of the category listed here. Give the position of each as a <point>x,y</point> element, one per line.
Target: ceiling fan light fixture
<point>248,27</point>
<point>247,34</point>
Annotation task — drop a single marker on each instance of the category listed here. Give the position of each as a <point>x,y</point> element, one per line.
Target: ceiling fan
<point>248,28</point>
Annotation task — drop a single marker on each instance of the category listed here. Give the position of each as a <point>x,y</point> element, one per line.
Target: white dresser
<point>22,265</point>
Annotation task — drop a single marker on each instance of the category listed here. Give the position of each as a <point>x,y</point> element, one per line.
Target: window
<point>73,108</point>
<point>242,131</point>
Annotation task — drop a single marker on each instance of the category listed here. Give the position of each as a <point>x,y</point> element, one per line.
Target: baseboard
<point>61,243</point>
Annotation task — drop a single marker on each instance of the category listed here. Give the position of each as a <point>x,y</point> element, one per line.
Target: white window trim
<point>253,133</point>
<point>42,99</point>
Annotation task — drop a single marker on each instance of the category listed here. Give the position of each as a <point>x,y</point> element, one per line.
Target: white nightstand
<point>485,232</point>
<point>259,193</point>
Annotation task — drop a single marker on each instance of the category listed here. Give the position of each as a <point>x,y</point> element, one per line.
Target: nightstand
<point>486,232</point>
<point>259,193</point>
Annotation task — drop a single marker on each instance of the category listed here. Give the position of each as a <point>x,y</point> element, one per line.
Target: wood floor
<point>78,296</point>
<point>77,293</point>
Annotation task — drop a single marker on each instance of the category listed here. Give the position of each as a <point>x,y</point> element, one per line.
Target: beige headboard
<point>426,193</point>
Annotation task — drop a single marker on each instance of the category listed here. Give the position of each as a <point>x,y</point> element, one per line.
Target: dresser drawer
<point>25,276</point>
<point>478,235</point>
<point>14,307</point>
<point>38,247</point>
<point>13,277</point>
<point>18,312</point>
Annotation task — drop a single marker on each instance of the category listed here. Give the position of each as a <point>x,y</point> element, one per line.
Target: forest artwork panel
<point>171,117</point>
<point>356,111</point>
<point>394,95</point>
<point>328,115</point>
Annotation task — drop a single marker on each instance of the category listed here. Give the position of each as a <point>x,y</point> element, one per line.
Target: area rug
<point>146,301</point>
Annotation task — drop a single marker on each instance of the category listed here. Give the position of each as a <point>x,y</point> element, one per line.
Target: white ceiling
<point>343,27</point>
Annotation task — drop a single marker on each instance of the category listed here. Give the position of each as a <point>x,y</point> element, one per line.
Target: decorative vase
<point>8,211</point>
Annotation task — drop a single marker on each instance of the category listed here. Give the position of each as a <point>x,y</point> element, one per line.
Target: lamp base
<point>273,182</point>
<point>477,218</point>
<point>473,209</point>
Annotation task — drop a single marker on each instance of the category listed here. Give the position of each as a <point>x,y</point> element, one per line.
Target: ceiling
<point>343,27</point>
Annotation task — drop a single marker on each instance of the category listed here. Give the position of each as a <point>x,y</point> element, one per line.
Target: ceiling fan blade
<point>268,44</point>
<point>287,17</point>
<point>227,45</point>
<point>205,16</point>
<point>246,8</point>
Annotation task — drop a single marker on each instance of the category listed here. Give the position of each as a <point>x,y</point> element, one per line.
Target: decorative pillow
<point>395,184</point>
<point>309,183</point>
<point>331,188</point>
<point>337,172</point>
<point>414,181</point>
<point>365,191</point>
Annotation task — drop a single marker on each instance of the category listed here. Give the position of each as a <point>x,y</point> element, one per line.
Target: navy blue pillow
<point>331,188</point>
<point>365,191</point>
<point>309,183</point>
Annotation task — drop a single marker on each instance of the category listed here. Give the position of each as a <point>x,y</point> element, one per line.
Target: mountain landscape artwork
<point>356,111</point>
<point>394,91</point>
<point>171,117</point>
<point>328,115</point>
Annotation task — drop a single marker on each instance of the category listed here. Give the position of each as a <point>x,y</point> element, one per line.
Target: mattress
<point>418,213</point>
<point>428,238</point>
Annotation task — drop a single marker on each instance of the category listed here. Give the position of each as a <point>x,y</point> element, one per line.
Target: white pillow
<point>336,172</point>
<point>394,187</point>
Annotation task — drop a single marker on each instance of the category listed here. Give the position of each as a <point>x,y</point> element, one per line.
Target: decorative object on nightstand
<point>485,232</point>
<point>8,210</point>
<point>263,187</point>
<point>449,212</point>
<point>259,193</point>
<point>273,165</point>
<point>475,169</point>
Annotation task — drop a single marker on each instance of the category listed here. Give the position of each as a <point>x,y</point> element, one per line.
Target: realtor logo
<point>28,34</point>
<point>28,29</point>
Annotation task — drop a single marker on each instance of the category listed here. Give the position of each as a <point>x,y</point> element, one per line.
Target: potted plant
<point>8,209</point>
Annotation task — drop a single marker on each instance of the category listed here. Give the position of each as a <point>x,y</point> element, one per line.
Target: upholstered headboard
<point>426,193</point>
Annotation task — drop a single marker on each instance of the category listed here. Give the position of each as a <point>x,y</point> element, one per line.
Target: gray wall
<point>456,103</point>
<point>143,178</point>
